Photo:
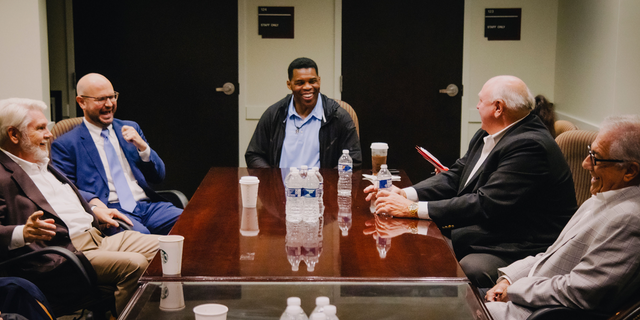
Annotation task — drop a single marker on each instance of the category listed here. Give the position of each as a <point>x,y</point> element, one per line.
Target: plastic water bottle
<point>383,245</point>
<point>311,245</point>
<point>320,183</point>
<point>293,243</point>
<point>303,171</point>
<point>310,205</point>
<point>293,185</point>
<point>293,301</point>
<point>330,312</point>
<point>294,313</point>
<point>384,178</point>
<point>321,302</point>
<point>344,214</point>
<point>345,169</point>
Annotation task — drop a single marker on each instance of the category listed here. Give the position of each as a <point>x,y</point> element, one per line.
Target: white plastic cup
<point>379,152</point>
<point>249,222</point>
<point>171,254</point>
<point>211,311</point>
<point>249,190</point>
<point>172,297</point>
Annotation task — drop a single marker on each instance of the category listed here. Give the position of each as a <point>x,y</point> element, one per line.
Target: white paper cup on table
<point>211,311</point>
<point>378,156</point>
<point>249,190</point>
<point>171,254</point>
<point>172,297</point>
<point>249,222</point>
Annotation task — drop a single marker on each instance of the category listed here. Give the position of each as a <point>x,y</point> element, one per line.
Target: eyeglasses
<point>102,100</point>
<point>594,160</point>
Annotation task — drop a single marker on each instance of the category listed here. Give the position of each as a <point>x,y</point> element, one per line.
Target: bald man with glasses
<point>110,159</point>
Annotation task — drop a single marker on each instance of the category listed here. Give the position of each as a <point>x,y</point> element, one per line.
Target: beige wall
<point>597,64</point>
<point>24,60</point>
<point>532,58</point>
<point>263,63</point>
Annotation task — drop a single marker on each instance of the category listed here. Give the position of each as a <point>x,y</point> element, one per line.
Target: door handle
<point>451,90</point>
<point>228,88</point>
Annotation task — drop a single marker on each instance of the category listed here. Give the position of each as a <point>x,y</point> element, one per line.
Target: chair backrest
<point>573,144</point>
<point>563,126</point>
<point>63,126</point>
<point>352,112</point>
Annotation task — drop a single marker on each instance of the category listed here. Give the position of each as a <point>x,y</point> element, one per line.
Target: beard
<point>41,156</point>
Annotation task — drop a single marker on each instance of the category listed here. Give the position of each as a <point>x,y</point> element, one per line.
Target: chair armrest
<point>176,197</point>
<point>564,313</point>
<point>125,226</point>
<point>75,261</point>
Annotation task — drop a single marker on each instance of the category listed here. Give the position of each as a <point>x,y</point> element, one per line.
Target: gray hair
<point>625,144</point>
<point>516,95</point>
<point>14,112</point>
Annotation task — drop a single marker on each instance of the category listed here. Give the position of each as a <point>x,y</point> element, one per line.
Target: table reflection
<point>303,242</point>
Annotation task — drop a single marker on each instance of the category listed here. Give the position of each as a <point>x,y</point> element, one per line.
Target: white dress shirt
<point>138,193</point>
<point>59,195</point>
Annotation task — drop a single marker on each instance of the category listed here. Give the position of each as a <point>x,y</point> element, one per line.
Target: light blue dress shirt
<point>301,145</point>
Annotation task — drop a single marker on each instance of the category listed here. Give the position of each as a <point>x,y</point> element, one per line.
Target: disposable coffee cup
<point>171,254</point>
<point>172,296</point>
<point>249,190</point>
<point>249,222</point>
<point>211,311</point>
<point>378,156</point>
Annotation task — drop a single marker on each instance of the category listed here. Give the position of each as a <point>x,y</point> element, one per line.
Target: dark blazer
<point>517,202</point>
<point>337,133</point>
<point>75,154</point>
<point>19,199</point>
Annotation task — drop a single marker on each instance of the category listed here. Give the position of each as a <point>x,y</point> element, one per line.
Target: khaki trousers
<point>118,260</point>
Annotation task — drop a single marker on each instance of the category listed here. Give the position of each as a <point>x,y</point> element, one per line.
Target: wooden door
<point>395,59</point>
<point>166,58</point>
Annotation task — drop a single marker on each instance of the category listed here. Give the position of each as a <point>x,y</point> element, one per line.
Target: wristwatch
<point>413,210</point>
<point>93,207</point>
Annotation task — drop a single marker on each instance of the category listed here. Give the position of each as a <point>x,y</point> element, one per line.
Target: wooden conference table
<point>226,242</point>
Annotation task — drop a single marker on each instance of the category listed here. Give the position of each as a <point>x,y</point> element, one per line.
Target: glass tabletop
<point>268,300</point>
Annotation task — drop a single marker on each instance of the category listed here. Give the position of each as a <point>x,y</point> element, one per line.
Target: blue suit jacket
<point>76,155</point>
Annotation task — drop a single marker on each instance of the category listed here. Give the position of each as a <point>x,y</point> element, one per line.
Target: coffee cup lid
<point>379,145</point>
<point>249,179</point>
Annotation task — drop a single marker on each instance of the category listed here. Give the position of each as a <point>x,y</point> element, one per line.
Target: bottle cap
<point>293,301</point>
<point>304,167</point>
<point>330,310</point>
<point>322,301</point>
<point>293,310</point>
<point>383,166</point>
<point>345,151</point>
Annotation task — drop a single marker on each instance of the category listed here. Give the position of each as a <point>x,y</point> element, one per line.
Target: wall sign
<point>502,24</point>
<point>275,22</point>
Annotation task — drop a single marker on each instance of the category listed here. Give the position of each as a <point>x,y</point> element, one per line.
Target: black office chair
<point>97,299</point>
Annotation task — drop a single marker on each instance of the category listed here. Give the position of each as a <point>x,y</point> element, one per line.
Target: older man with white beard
<point>40,207</point>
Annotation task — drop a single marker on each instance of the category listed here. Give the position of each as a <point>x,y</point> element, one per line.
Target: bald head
<point>90,82</point>
<point>503,101</point>
<point>514,92</point>
<point>92,90</point>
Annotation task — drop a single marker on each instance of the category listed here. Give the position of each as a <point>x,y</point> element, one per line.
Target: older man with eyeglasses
<point>595,262</point>
<point>110,159</point>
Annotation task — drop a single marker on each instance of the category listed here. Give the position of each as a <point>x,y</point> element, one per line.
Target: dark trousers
<point>19,296</point>
<point>482,268</point>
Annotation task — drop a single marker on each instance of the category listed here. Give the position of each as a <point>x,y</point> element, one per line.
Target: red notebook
<point>429,157</point>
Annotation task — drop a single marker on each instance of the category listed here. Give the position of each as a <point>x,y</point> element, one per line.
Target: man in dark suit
<point>508,197</point>
<point>116,170</point>
<point>40,207</point>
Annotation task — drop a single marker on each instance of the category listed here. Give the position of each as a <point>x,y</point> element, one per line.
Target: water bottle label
<point>308,193</point>
<point>345,168</point>
<point>384,184</point>
<point>292,192</point>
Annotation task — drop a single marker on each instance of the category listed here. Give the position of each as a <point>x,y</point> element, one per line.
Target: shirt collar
<point>28,167</point>
<point>498,135</point>
<point>317,112</point>
<point>93,129</point>
<point>608,195</point>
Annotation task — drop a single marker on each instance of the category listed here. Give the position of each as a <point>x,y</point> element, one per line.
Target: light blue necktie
<point>117,174</point>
